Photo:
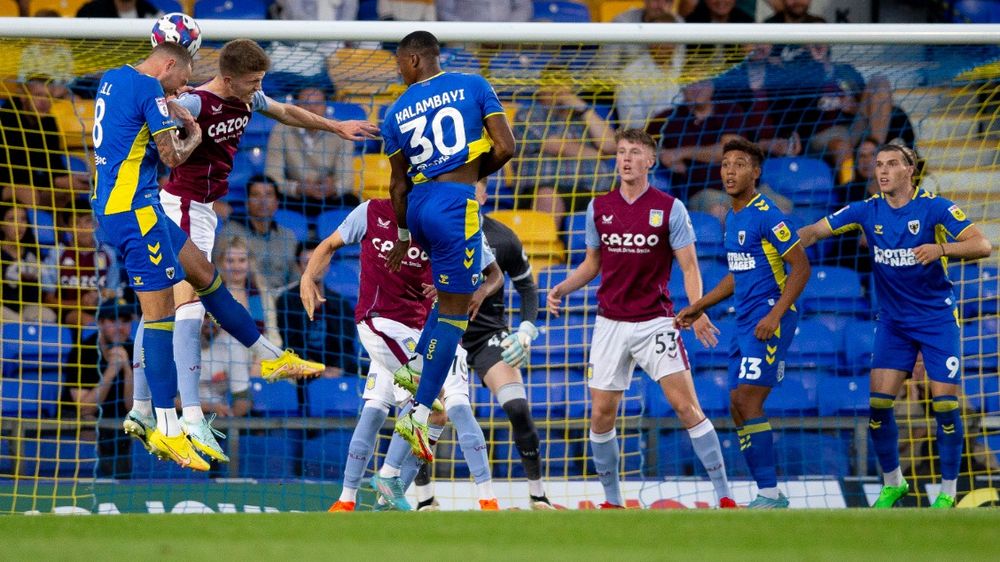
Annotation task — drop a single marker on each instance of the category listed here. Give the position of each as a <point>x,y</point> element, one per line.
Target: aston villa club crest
<point>914,226</point>
<point>741,236</point>
<point>655,217</point>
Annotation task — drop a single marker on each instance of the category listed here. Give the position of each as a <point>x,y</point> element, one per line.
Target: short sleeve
<point>847,218</point>
<point>154,107</point>
<point>190,102</point>
<point>355,225</point>
<point>951,217</point>
<point>390,140</point>
<point>779,232</point>
<point>488,255</point>
<point>488,98</point>
<point>681,229</point>
<point>593,239</point>
<point>259,101</point>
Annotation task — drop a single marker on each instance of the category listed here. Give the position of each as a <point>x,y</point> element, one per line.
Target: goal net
<point>819,99</point>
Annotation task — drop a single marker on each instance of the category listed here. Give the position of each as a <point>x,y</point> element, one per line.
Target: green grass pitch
<point>911,534</point>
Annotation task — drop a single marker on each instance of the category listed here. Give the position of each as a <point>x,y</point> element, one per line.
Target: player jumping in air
<point>436,137</point>
<point>759,245</point>
<point>908,231</point>
<point>633,235</point>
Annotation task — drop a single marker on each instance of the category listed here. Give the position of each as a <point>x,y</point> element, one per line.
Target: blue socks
<point>359,452</point>
<point>158,356</point>
<point>472,440</point>
<point>425,334</point>
<point>231,315</point>
<point>443,339</point>
<point>604,447</point>
<point>950,435</point>
<point>757,444</point>
<point>883,430</point>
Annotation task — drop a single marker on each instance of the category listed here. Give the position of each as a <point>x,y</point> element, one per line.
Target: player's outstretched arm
<point>399,189</point>
<point>819,230</point>
<point>583,274</point>
<point>686,317</point>
<point>687,259</point>
<point>174,151</point>
<point>970,245</point>
<point>309,289</point>
<point>295,116</point>
<point>503,145</point>
<point>794,284</point>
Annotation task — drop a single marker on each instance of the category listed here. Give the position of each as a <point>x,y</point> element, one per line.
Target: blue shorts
<point>444,220</point>
<point>148,242</point>
<point>758,362</point>
<point>940,343</point>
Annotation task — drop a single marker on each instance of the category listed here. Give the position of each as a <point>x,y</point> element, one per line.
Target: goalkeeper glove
<point>516,346</point>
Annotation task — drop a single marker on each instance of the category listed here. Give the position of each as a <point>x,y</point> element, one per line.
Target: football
<point>177,28</point>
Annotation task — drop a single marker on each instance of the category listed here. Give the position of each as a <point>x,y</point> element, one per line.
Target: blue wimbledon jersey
<point>757,238</point>
<point>438,123</point>
<point>130,109</point>
<point>908,293</point>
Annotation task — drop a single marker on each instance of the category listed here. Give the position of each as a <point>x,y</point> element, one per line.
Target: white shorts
<point>655,345</point>
<point>389,344</point>
<point>198,220</point>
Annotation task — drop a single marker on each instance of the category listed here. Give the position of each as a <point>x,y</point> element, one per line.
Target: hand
<point>117,357</point>
<point>705,331</point>
<point>475,302</point>
<point>767,326</point>
<point>430,291</point>
<point>927,254</point>
<point>554,300</point>
<point>355,130</point>
<point>311,295</point>
<point>686,317</point>
<point>180,114</point>
<point>394,258</point>
<point>516,345</point>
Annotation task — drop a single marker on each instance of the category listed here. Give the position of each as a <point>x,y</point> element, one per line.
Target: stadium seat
<point>537,231</point>
<point>712,357</point>
<point>859,344</point>
<point>674,454</point>
<point>976,286</point>
<point>982,391</point>
<point>976,11</point>
<point>368,10</point>
<point>712,388</point>
<point>814,345</point>
<point>835,290</point>
<point>32,347</point>
<point>548,399</point>
<point>346,111</point>
<point>294,221</point>
<point>712,272</point>
<point>710,236</point>
<point>323,457</point>
<point>75,119</point>
<point>563,341</point>
<point>257,131</point>
<point>230,10</point>
<point>147,467</point>
<point>343,278</point>
<point>843,396</point>
<point>168,6</point>
<point>806,181</point>
<point>560,11</point>
<point>796,395</point>
<point>371,176</point>
<point>576,237</point>
<point>334,398</point>
<point>811,453</point>
<point>979,344</point>
<point>247,163</point>
<point>577,300</point>
<point>359,72</point>
<point>53,457</point>
<point>609,9</point>
<point>460,60</point>
<point>270,455</point>
<point>30,396</point>
<point>329,221</point>
<point>44,226</point>
<point>274,400</point>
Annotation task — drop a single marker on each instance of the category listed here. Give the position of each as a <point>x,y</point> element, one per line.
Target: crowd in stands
<point>795,101</point>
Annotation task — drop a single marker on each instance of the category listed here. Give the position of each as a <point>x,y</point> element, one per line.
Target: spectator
<point>314,169</point>
<point>118,9</point>
<point>80,273</point>
<point>33,161</point>
<point>241,275</point>
<point>792,11</point>
<point>407,10</point>
<point>315,10</point>
<point>691,141</point>
<point>851,249</point>
<point>713,58</point>
<point>224,388</point>
<point>650,83</point>
<point>862,184</point>
<point>330,338</point>
<point>98,383</point>
<point>272,243</point>
<point>20,265</point>
<point>565,146</point>
<point>50,58</point>
<point>305,58</point>
<point>497,10</point>
<point>614,55</point>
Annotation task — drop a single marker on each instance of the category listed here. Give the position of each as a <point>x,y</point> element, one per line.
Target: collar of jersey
<point>916,191</point>
<point>428,79</point>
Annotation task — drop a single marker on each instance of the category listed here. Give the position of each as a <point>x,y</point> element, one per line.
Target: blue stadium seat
<point>334,398</point>
<point>977,287</point>
<point>552,276</point>
<point>576,237</point>
<point>806,181</point>
<point>814,345</point>
<point>247,163</point>
<point>564,340</point>
<point>167,6</point>
<point>147,467</point>
<point>702,357</point>
<point>674,454</point>
<point>796,395</point>
<point>712,388</point>
<point>811,453</point>
<point>231,10</point>
<point>258,130</point>
<point>632,402</point>
<point>736,465</point>
<point>44,226</point>
<point>323,457</point>
<point>561,450</point>
<point>328,221</point>
<point>561,11</point>
<point>859,344</point>
<point>548,397</point>
<point>976,11</point>
<point>843,396</point>
<point>343,278</point>
<point>712,272</point>
<point>519,66</point>
<point>34,347</point>
<point>979,344</point>
<point>460,60</point>
<point>294,221</point>
<point>30,396</point>
<point>368,10</point>
<point>271,455</point>
<point>834,290</point>
<point>484,405</point>
<point>982,391</point>
<point>710,236</point>
<point>274,400</point>
<point>68,458</point>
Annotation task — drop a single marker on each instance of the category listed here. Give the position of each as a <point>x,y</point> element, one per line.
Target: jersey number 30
<point>419,140</point>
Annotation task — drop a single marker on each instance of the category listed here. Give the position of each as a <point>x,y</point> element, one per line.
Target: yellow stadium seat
<point>67,8</point>
<point>537,231</point>
<point>8,9</point>
<point>362,71</point>
<point>75,119</point>
<point>611,8</point>
<point>371,176</point>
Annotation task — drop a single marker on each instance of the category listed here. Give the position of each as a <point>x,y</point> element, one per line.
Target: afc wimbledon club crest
<point>782,232</point>
<point>655,217</point>
<point>741,237</point>
<point>914,226</point>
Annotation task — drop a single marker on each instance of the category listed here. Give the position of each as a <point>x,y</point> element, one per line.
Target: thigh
<point>146,242</point>
<point>485,352</point>
<point>941,346</point>
<point>379,387</point>
<point>388,343</point>
<point>762,363</point>
<point>457,381</point>
<point>611,361</point>
<point>446,224</point>
<point>894,348</point>
<point>658,349</point>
